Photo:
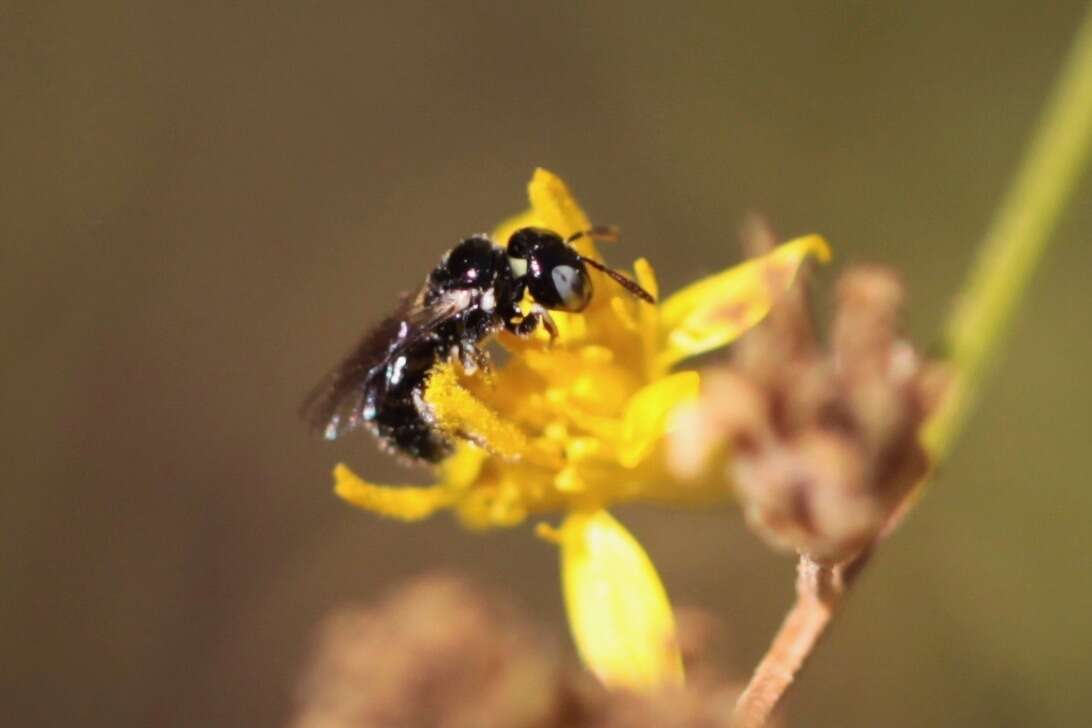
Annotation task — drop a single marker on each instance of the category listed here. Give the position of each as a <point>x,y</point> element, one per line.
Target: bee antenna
<point>621,280</point>
<point>606,233</point>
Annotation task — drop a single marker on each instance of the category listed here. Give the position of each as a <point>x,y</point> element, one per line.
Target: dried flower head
<point>579,425</point>
<point>824,445</point>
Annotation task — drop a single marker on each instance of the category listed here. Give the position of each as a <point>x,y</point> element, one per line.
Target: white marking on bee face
<point>518,266</point>
<point>568,282</point>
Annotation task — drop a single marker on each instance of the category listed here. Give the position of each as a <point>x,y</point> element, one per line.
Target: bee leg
<point>530,322</point>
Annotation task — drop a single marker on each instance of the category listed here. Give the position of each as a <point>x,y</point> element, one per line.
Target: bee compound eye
<point>572,286</point>
<point>556,276</point>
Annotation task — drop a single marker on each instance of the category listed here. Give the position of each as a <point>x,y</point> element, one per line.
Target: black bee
<point>472,294</point>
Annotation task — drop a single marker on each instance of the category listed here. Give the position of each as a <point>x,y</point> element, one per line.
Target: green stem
<point>1017,240</point>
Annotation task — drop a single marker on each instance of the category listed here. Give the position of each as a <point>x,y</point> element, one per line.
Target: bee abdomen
<point>396,409</point>
<point>401,424</point>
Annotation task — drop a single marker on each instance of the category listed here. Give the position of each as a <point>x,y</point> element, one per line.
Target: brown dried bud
<point>823,447</point>
<point>433,654</point>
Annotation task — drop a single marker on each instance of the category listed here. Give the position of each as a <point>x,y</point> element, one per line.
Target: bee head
<point>555,274</point>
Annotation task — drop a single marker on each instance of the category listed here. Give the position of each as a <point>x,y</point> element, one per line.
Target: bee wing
<point>336,405</point>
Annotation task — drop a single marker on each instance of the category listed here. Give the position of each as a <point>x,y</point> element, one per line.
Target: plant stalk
<point>1016,241</point>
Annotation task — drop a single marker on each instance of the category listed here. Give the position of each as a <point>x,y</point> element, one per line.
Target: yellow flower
<point>578,425</point>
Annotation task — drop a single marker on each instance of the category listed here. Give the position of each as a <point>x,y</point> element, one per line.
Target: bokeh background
<point>203,204</point>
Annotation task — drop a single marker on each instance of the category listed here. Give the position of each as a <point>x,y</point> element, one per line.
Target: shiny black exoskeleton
<point>472,294</point>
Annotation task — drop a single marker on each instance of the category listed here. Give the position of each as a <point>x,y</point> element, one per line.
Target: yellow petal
<point>716,310</point>
<point>618,610</point>
<point>403,502</point>
<point>649,315</point>
<point>461,470</point>
<point>491,507</point>
<point>552,207</point>
<point>646,277</point>
<point>649,411</point>
<point>558,210</point>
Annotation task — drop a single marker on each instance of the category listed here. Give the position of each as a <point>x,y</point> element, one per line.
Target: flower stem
<point>818,591</point>
<point>1013,246</point>
<point>1016,240</point>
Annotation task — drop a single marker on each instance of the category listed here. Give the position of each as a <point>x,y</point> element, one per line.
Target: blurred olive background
<point>203,206</point>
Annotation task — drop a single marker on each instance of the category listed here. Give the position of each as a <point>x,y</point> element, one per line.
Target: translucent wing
<point>336,405</point>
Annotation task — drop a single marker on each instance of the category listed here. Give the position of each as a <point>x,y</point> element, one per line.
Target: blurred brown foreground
<point>438,653</point>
